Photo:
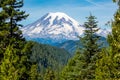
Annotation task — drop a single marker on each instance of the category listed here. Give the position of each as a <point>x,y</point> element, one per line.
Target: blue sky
<point>77,9</point>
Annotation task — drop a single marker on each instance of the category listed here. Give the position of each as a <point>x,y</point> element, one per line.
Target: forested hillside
<point>71,45</point>
<point>47,56</point>
<point>27,60</point>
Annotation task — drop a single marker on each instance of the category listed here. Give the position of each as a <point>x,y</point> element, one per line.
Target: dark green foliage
<point>34,74</point>
<point>31,69</point>
<point>111,63</point>
<point>105,66</point>
<point>10,15</point>
<point>16,62</point>
<point>72,70</point>
<point>91,48</point>
<point>15,52</point>
<point>83,64</point>
<point>21,60</point>
<point>71,45</point>
<point>49,57</point>
<point>8,69</point>
<point>49,75</point>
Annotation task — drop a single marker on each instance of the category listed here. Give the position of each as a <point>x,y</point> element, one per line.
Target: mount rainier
<point>55,28</point>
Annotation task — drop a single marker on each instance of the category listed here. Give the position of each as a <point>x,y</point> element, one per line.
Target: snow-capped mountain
<point>55,28</point>
<point>103,32</point>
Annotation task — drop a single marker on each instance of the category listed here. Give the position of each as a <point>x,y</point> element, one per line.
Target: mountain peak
<point>54,28</point>
<point>56,13</point>
<point>58,16</point>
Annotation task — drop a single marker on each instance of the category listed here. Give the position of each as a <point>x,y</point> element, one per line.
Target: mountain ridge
<point>53,28</point>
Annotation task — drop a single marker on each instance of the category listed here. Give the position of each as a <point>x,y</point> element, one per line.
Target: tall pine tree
<point>72,71</point>
<point>84,62</point>
<point>10,15</point>
<point>109,66</point>
<point>91,48</point>
<point>3,31</point>
<point>14,50</point>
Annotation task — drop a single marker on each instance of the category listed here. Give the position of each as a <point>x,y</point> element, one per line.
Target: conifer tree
<point>105,66</point>
<point>34,74</point>
<point>49,75</point>
<point>3,31</point>
<point>72,71</point>
<point>91,48</point>
<point>32,70</point>
<point>111,63</point>
<point>8,71</point>
<point>10,15</point>
<point>83,65</point>
<point>15,51</point>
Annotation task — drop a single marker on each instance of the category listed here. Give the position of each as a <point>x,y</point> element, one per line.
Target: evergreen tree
<point>83,65</point>
<point>10,15</point>
<point>32,71</point>
<point>104,65</point>
<point>72,71</point>
<point>91,48</point>
<point>111,62</point>
<point>34,74</point>
<point>31,66</point>
<point>8,70</point>
<point>14,50</point>
<point>49,75</point>
<point>3,31</point>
